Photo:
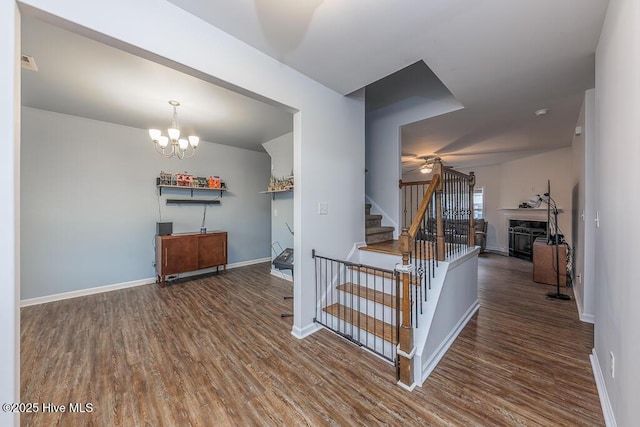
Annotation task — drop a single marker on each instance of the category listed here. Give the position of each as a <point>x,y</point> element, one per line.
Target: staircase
<point>389,294</point>
<point>360,303</point>
<point>374,230</point>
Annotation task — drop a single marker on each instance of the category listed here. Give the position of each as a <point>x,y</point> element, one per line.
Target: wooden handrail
<point>417,219</point>
<point>407,184</point>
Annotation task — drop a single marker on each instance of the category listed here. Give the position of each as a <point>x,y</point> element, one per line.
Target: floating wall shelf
<point>273,192</point>
<point>179,187</point>
<point>193,201</point>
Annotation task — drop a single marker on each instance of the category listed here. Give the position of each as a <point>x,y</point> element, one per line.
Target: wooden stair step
<point>369,294</point>
<point>391,247</point>
<point>367,323</point>
<point>376,230</point>
<point>382,274</point>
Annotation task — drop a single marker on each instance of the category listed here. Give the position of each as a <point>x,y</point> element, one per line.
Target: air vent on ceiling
<point>28,62</point>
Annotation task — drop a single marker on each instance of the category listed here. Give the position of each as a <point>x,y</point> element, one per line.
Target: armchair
<point>480,226</point>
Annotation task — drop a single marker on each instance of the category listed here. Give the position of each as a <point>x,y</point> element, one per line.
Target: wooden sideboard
<point>544,263</point>
<point>182,253</point>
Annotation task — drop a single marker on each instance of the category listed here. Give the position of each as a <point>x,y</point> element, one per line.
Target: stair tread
<point>373,326</point>
<point>383,274</point>
<point>390,247</point>
<point>369,294</point>
<point>372,217</point>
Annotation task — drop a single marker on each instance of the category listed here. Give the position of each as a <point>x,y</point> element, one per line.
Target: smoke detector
<point>28,62</point>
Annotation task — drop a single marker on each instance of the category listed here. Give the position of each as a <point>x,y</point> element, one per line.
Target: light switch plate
<point>323,208</point>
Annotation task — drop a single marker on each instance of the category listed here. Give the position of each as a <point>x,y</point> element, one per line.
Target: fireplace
<point>522,234</point>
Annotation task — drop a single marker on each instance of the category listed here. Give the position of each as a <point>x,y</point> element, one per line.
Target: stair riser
<point>371,308</point>
<point>367,209</point>
<point>380,260</point>
<point>374,343</point>
<point>377,283</point>
<point>379,237</point>
<point>373,223</point>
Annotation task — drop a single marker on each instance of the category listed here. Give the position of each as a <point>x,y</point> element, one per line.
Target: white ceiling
<point>501,59</point>
<point>85,78</point>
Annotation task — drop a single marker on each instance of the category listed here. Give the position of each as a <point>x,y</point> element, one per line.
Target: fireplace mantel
<point>560,210</point>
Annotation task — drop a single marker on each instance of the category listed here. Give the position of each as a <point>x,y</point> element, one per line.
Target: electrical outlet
<point>579,277</point>
<point>323,208</point>
<point>275,212</point>
<point>613,364</point>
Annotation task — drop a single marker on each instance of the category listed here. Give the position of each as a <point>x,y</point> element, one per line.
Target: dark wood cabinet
<point>182,253</point>
<point>544,263</point>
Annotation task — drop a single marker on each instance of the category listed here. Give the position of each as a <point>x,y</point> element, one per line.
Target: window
<point>478,203</point>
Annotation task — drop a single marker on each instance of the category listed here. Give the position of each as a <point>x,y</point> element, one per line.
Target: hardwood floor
<point>214,351</point>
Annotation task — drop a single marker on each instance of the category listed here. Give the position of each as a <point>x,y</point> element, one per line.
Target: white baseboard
<point>245,263</point>
<point>108,288</point>
<point>607,410</point>
<point>437,355</point>
<point>280,275</point>
<point>84,292</point>
<point>497,250</point>
<point>584,317</point>
<point>306,331</point>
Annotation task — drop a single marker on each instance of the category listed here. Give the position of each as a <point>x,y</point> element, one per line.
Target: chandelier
<point>173,145</point>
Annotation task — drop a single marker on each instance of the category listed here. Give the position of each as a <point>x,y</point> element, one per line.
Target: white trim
<point>124,285</point>
<point>84,292</point>
<point>497,250</point>
<point>587,318</point>
<point>355,250</point>
<point>437,355</point>
<point>607,410</point>
<point>407,387</point>
<point>248,262</point>
<point>306,331</point>
<point>280,275</point>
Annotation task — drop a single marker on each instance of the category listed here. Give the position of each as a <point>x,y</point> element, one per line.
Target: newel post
<point>438,169</point>
<point>406,328</point>
<point>472,229</point>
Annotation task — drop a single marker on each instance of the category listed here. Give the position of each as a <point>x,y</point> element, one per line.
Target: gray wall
<point>384,146</point>
<point>90,204</point>
<point>281,152</point>
<point>617,156</point>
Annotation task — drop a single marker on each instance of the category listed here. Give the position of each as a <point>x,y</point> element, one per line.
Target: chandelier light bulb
<point>174,134</point>
<point>155,134</point>
<point>194,141</point>
<point>163,141</point>
<point>183,144</point>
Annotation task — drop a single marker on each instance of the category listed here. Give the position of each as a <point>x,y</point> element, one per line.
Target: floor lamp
<point>556,294</point>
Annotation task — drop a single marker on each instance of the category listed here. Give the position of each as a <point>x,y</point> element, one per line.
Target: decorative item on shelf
<point>200,182</point>
<point>166,178</point>
<point>179,147</point>
<point>184,180</point>
<point>280,184</point>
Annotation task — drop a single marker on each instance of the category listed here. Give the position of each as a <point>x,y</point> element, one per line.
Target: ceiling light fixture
<point>179,146</point>
<point>541,112</point>
<point>427,167</point>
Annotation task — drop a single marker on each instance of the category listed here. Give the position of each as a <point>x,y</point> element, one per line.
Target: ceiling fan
<point>425,163</point>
